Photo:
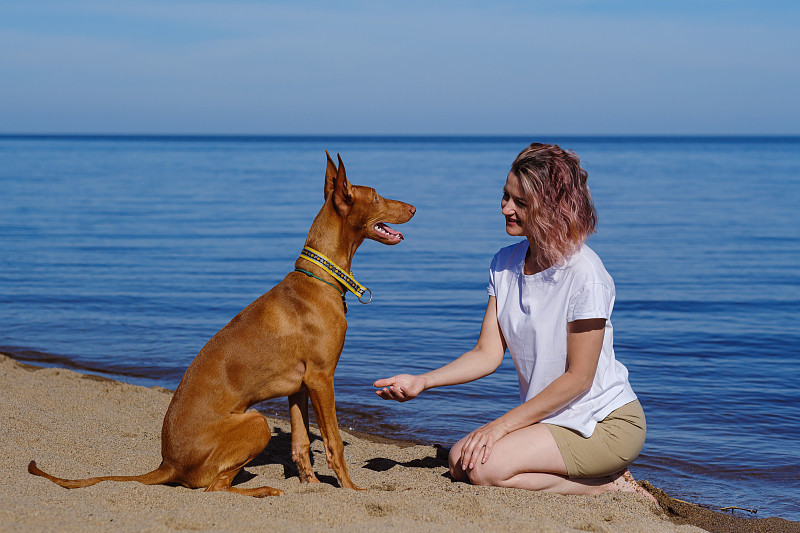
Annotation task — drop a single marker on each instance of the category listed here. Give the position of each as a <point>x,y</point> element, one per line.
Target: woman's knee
<point>481,474</point>
<point>484,475</point>
<point>454,459</point>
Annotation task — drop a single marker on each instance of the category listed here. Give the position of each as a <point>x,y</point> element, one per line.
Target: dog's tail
<point>162,474</point>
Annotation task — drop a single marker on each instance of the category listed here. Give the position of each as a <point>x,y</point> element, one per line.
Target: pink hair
<point>561,214</point>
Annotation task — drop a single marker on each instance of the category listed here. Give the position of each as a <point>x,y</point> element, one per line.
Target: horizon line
<point>390,136</point>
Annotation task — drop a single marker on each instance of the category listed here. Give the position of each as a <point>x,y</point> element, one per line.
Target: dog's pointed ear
<point>342,190</point>
<point>330,175</point>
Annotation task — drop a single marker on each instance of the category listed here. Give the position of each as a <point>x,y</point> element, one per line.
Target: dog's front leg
<point>324,408</point>
<point>298,411</point>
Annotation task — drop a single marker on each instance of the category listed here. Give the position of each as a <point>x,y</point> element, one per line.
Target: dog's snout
<point>412,209</point>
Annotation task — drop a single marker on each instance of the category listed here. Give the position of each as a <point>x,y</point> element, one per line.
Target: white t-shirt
<point>533,312</point>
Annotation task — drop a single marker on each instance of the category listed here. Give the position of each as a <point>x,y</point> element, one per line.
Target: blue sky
<point>485,68</point>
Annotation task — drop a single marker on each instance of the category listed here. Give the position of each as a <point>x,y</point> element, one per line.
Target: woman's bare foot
<point>624,482</point>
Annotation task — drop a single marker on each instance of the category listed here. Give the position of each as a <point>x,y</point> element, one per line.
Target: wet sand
<point>80,425</point>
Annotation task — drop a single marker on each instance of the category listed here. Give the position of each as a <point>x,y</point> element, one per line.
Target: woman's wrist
<point>519,417</point>
<point>426,381</point>
<point>503,425</point>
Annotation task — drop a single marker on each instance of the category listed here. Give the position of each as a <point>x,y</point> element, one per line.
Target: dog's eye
<point>375,199</point>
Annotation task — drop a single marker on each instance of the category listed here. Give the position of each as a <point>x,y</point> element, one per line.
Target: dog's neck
<point>331,236</point>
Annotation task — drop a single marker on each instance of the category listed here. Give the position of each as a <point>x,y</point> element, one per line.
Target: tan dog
<point>286,343</point>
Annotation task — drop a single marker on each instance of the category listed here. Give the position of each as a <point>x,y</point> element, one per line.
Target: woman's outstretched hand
<point>401,388</point>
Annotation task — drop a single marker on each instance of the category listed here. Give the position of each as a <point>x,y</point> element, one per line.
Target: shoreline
<point>82,425</point>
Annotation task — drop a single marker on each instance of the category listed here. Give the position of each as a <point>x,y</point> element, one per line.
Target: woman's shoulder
<point>510,256</point>
<point>587,265</point>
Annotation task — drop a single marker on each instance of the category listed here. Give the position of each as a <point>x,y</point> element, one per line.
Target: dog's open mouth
<point>387,233</point>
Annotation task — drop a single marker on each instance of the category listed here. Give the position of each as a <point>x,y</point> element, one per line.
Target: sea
<point>122,255</point>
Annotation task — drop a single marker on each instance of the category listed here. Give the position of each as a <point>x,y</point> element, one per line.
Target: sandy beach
<point>79,425</point>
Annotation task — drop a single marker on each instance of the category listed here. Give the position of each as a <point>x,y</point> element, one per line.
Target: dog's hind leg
<point>245,437</point>
<point>223,483</point>
<point>298,411</point>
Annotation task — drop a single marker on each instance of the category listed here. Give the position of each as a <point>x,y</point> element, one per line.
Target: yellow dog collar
<point>309,254</point>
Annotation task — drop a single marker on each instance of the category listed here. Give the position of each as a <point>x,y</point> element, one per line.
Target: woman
<point>550,299</point>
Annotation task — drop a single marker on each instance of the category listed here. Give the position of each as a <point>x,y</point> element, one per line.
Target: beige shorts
<point>616,442</point>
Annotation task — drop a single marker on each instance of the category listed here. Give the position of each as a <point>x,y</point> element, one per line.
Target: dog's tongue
<point>380,226</point>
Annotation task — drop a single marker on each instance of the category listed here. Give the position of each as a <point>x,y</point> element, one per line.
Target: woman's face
<point>513,206</point>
